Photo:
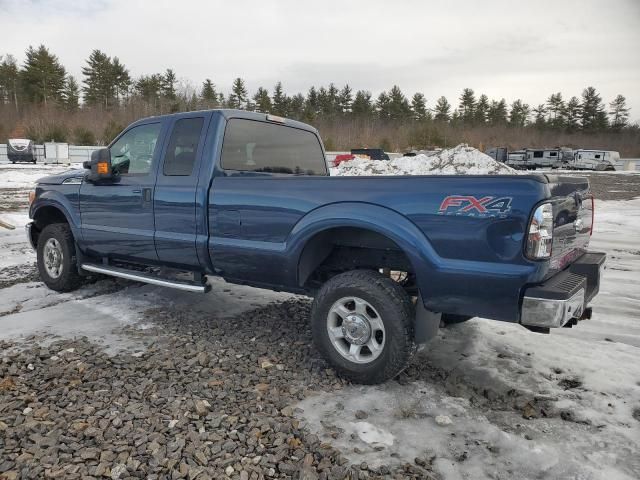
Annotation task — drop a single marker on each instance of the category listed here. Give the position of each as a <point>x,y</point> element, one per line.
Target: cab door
<point>117,216</point>
<point>176,207</point>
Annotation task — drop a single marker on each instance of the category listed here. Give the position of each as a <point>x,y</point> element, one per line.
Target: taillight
<point>540,236</point>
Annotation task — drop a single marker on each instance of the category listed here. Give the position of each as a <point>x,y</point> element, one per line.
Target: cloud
<point>503,48</point>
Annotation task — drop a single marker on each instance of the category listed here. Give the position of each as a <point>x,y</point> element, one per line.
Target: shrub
<point>83,136</point>
<point>111,131</point>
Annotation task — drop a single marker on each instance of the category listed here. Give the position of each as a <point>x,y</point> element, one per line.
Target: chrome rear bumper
<point>564,296</point>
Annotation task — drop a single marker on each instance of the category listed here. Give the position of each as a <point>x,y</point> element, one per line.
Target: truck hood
<point>60,178</point>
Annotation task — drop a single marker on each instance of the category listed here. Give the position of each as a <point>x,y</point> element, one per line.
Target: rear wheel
<point>362,323</point>
<point>57,258</point>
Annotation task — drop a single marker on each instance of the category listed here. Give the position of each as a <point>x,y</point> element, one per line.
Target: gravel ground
<point>207,398</point>
<point>613,186</point>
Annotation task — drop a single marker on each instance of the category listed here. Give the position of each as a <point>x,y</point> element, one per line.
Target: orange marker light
<point>103,168</point>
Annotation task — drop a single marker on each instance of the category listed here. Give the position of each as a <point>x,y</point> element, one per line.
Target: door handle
<point>146,194</point>
<point>136,191</point>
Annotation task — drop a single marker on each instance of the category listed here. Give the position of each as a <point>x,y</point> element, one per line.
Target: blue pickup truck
<point>247,197</point>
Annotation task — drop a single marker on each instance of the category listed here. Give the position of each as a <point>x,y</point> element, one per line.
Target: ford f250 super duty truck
<point>247,197</point>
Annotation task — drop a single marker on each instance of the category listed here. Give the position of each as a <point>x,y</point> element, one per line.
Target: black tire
<point>396,313</point>
<point>68,278</point>
<point>452,319</point>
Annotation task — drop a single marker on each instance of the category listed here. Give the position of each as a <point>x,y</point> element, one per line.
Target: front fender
<point>372,217</point>
<point>60,201</point>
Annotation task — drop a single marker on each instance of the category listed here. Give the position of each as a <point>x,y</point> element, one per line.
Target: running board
<point>145,278</point>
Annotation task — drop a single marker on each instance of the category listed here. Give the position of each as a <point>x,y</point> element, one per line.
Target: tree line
<point>107,87</point>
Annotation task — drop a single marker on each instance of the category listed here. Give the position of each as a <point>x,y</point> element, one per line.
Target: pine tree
<point>9,81</point>
<point>467,105</point>
<point>519,113</point>
<point>121,79</point>
<point>362,106</point>
<point>262,100</point>
<point>572,114</point>
<point>619,113</point>
<point>345,99</point>
<point>382,105</point>
<point>333,99</point>
<point>149,87</point>
<point>43,77</point>
<point>296,107</point>
<point>208,94</point>
<point>442,110</point>
<point>540,113</point>
<point>419,106</point>
<point>398,104</point>
<point>593,115</point>
<point>481,113</point>
<point>238,94</point>
<point>311,106</point>
<point>556,110</point>
<point>99,83</point>
<point>279,101</point>
<point>169,84</point>
<point>71,94</point>
<point>497,114</point>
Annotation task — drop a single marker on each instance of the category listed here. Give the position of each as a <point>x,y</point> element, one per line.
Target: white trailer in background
<point>532,158</point>
<point>594,160</point>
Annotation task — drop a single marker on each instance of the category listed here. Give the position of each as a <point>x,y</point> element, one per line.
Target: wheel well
<point>45,216</point>
<point>341,249</point>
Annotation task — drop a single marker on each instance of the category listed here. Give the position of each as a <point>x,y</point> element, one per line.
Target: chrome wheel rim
<point>52,256</point>
<point>356,330</point>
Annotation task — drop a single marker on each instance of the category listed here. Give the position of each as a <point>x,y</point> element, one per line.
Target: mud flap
<point>426,323</point>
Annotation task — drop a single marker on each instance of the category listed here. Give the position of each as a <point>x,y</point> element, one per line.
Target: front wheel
<point>362,324</point>
<point>57,258</point>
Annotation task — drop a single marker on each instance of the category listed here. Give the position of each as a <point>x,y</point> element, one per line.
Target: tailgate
<point>573,216</point>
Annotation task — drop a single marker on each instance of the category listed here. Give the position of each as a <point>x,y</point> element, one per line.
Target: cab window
<point>254,146</point>
<point>132,154</point>
<point>183,146</point>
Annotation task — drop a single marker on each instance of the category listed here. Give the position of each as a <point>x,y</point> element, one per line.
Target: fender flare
<point>409,238</point>
<point>61,203</point>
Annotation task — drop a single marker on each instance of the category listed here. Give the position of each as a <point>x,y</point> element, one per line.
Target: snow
<point>25,175</point>
<point>461,160</point>
<point>581,384</point>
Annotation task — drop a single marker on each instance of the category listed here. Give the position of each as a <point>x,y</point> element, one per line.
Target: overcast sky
<point>510,49</point>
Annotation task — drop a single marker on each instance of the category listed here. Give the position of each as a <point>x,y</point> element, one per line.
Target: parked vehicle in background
<point>533,158</point>
<point>247,197</point>
<point>594,160</point>
<point>500,154</point>
<point>21,150</point>
<point>342,157</point>
<point>370,153</point>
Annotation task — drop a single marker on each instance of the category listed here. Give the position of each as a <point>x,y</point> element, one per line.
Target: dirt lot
<point>121,380</point>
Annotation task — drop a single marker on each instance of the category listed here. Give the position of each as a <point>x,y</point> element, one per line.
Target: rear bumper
<point>565,295</point>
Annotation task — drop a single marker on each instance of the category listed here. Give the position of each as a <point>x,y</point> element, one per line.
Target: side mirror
<point>100,166</point>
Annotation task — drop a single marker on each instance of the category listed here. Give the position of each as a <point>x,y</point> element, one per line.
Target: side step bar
<point>145,278</point>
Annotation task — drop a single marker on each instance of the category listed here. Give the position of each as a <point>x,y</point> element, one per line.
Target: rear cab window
<point>254,146</point>
<point>183,146</point>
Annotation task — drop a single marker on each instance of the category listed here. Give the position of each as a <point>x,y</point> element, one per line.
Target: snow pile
<point>461,160</point>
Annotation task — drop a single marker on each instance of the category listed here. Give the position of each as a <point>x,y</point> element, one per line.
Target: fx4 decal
<point>488,206</point>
